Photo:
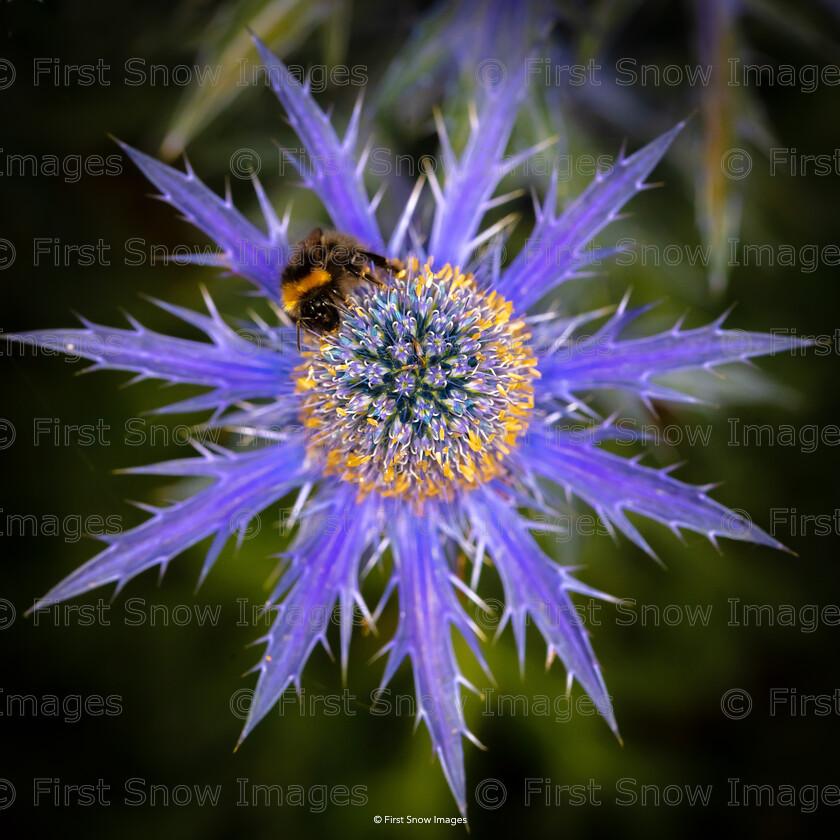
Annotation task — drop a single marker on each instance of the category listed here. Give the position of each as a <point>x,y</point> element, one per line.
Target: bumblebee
<point>324,268</point>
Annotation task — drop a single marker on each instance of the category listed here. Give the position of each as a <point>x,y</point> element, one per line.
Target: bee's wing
<point>311,248</point>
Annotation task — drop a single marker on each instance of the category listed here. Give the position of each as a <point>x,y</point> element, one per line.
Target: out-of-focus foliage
<point>439,62</point>
<point>226,45</point>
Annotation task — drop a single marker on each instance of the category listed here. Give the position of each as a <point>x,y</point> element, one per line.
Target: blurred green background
<point>176,681</point>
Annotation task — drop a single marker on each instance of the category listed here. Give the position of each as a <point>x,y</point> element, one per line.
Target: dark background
<point>174,685</point>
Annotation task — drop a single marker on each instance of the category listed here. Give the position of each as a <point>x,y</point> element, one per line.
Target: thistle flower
<point>427,425</point>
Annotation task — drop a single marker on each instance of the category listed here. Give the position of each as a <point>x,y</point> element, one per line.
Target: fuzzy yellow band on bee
<point>293,292</point>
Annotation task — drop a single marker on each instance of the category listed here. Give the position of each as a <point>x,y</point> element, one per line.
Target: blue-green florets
<point>425,388</point>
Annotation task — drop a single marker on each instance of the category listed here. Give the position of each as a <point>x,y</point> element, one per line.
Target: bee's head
<point>319,313</point>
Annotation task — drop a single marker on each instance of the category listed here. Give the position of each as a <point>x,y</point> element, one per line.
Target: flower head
<point>435,418</point>
<point>424,390</point>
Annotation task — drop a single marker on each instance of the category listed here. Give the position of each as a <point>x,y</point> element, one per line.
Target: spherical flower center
<point>424,388</point>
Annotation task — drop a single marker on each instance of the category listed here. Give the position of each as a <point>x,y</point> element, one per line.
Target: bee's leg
<point>340,303</point>
<point>298,336</point>
<point>372,278</point>
<point>392,266</point>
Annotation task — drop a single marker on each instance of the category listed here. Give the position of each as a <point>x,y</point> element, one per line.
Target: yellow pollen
<point>473,441</point>
<point>355,460</point>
